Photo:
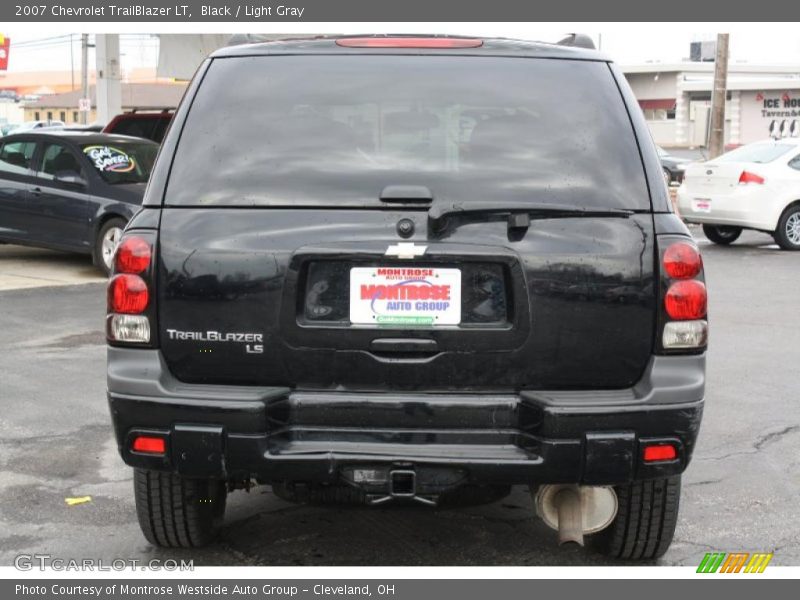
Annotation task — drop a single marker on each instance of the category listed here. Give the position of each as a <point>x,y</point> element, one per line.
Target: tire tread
<point>645,523</point>
<point>170,511</point>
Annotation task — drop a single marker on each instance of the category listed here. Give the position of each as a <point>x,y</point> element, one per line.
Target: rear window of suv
<point>336,130</point>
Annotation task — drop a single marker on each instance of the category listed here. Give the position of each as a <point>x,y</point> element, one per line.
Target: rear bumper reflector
<point>149,445</point>
<point>659,453</point>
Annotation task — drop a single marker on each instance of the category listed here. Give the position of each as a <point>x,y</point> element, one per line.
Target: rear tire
<point>787,235</point>
<point>722,234</point>
<point>175,512</point>
<point>108,236</point>
<point>645,521</point>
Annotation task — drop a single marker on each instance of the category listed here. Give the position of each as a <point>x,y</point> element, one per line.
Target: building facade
<point>135,96</point>
<point>676,101</point>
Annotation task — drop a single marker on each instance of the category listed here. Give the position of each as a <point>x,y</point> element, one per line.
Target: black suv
<point>385,269</point>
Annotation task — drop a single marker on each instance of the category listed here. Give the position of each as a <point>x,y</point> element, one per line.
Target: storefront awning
<point>662,104</point>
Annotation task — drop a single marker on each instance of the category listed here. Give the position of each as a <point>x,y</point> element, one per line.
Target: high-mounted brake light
<point>408,42</point>
<point>660,453</point>
<point>682,261</point>
<point>127,294</point>
<point>133,255</point>
<point>748,177</point>
<point>149,444</point>
<point>686,300</point>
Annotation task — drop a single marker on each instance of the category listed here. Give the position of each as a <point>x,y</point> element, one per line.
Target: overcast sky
<point>763,47</point>
<point>627,44</point>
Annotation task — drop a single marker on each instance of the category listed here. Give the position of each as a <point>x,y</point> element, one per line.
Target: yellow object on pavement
<point>78,500</point>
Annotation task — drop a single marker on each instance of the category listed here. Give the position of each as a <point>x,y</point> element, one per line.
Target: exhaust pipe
<point>570,521</point>
<point>575,511</point>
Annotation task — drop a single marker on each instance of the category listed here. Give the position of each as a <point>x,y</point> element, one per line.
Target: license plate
<point>702,205</point>
<point>405,296</point>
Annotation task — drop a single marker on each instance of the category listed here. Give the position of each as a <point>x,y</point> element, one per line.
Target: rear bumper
<point>281,435</point>
<point>744,207</point>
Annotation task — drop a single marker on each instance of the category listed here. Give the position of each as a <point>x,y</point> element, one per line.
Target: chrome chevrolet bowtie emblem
<point>406,250</point>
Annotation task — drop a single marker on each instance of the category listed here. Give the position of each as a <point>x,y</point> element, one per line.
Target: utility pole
<point>716,142</point>
<point>107,84</point>
<point>71,64</point>
<point>84,74</point>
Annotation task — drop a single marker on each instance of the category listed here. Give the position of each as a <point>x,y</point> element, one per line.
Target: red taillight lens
<point>133,255</point>
<point>684,327</point>
<point>660,453</point>
<point>748,177</point>
<point>149,445</point>
<point>682,261</point>
<point>686,300</point>
<point>127,294</point>
<point>408,42</point>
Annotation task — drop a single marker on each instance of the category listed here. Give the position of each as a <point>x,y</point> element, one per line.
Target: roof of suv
<point>488,47</point>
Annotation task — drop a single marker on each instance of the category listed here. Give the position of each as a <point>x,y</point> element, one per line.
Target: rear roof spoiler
<point>579,40</point>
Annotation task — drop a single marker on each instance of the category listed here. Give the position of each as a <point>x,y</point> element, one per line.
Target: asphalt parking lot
<point>740,493</point>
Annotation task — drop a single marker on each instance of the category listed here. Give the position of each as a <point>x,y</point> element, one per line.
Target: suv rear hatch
<point>407,221</point>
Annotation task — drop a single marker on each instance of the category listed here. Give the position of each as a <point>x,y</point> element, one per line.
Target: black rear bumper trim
<point>274,434</point>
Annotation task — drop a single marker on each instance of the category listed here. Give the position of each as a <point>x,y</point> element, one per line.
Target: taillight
<point>748,177</point>
<point>129,328</point>
<point>682,261</point>
<point>408,42</point>
<point>127,294</point>
<point>133,255</point>
<point>685,298</point>
<point>129,303</point>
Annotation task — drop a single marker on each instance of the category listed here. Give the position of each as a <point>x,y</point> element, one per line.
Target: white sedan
<point>756,186</point>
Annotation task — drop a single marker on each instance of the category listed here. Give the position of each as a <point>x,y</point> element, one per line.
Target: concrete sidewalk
<point>22,267</point>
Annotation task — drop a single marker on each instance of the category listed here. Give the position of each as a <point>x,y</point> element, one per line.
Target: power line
<point>135,49</point>
<point>66,39</point>
<point>42,41</point>
<point>64,44</point>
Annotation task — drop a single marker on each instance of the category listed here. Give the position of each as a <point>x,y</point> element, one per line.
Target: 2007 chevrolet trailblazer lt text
<point>460,264</point>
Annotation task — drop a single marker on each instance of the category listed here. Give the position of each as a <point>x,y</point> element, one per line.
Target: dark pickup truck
<point>400,269</point>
